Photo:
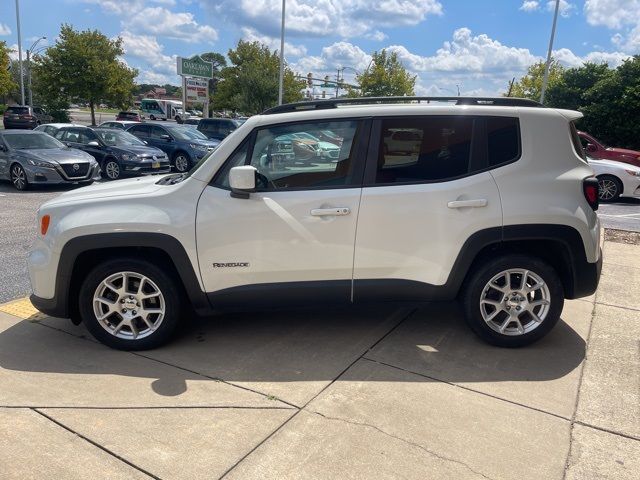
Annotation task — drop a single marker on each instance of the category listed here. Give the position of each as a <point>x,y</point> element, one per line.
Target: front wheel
<point>513,301</point>
<point>19,177</point>
<point>129,304</point>
<point>152,117</point>
<point>111,169</point>
<point>181,162</point>
<point>609,188</point>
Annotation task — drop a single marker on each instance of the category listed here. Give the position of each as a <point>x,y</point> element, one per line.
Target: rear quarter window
<point>503,140</point>
<point>575,140</point>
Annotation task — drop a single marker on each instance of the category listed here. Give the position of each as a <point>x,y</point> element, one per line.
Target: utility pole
<point>281,79</point>
<point>20,50</point>
<point>29,53</point>
<point>545,80</point>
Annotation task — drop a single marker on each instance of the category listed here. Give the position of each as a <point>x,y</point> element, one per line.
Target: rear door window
<point>19,110</point>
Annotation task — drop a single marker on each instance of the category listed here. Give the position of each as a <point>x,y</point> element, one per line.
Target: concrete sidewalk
<point>354,393</point>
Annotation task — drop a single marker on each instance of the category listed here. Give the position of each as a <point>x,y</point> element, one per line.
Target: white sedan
<point>616,179</point>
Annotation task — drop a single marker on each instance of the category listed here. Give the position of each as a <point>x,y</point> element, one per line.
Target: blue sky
<point>478,45</point>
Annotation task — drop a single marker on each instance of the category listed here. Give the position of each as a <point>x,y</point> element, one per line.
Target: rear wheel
<point>129,304</point>
<point>152,117</point>
<point>513,301</point>
<point>609,188</point>
<point>19,177</point>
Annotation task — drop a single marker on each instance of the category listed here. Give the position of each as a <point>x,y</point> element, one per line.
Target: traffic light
<point>309,80</point>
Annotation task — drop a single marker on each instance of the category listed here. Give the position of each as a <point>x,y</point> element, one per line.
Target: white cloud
<point>337,55</point>
<point>127,7</point>
<point>345,18</point>
<point>158,66</point>
<point>13,51</point>
<point>612,13</point>
<point>565,9</point>
<point>570,59</point>
<point>4,29</point>
<point>290,50</point>
<point>467,53</point>
<point>530,6</point>
<point>173,25</point>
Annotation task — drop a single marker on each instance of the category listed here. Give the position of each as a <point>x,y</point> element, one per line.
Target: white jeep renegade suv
<point>486,200</point>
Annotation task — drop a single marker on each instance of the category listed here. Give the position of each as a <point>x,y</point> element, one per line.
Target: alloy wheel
<point>112,170</point>
<point>18,177</point>
<point>182,163</point>
<point>129,305</point>
<point>515,302</point>
<point>607,189</point>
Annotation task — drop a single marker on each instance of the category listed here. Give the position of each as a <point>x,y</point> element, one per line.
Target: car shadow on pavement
<point>298,346</point>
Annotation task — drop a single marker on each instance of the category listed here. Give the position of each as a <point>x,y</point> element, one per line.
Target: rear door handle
<point>325,212</point>
<point>478,202</point>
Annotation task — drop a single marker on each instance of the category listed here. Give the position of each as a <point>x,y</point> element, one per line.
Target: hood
<point>624,151</point>
<point>59,155</point>
<point>328,146</point>
<point>613,164</point>
<point>143,150</point>
<point>207,143</point>
<point>118,188</point>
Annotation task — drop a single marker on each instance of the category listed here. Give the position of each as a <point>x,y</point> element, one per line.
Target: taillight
<point>590,189</point>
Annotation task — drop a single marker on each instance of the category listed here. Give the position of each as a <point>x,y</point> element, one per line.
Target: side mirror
<point>166,137</point>
<point>242,181</point>
<point>93,143</point>
<point>3,148</point>
<point>591,147</point>
<point>145,142</point>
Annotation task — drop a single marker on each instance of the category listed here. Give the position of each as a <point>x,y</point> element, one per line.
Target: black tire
<point>111,169</point>
<point>181,162</point>
<point>152,117</point>
<point>19,177</point>
<point>162,280</point>
<point>485,272</point>
<point>609,188</point>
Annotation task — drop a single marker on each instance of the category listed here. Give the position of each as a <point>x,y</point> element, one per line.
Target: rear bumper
<point>586,278</point>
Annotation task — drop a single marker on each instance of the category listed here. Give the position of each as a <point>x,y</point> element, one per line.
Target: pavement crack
<point>403,440</point>
<point>96,444</point>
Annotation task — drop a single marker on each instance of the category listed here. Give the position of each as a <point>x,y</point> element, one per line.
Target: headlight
<point>635,173</point>
<point>126,156</point>
<point>40,163</point>
<point>197,146</point>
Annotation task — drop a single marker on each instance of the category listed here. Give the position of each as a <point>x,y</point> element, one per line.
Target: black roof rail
<point>335,102</point>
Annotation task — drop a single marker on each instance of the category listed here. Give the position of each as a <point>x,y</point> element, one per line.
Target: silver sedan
<point>30,157</point>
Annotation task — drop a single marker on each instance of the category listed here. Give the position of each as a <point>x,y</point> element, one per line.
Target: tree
<point>250,83</point>
<point>83,66</point>
<point>7,84</point>
<point>570,89</point>
<point>385,76</point>
<point>530,86</point>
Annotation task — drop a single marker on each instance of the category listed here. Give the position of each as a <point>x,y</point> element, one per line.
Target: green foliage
<point>7,84</point>
<point>250,83</point>
<point>530,86</point>
<point>570,89</point>
<point>83,66</point>
<point>3,108</point>
<point>385,76</point>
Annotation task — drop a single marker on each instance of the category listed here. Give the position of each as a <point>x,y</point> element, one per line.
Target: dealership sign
<point>197,89</point>
<point>194,67</point>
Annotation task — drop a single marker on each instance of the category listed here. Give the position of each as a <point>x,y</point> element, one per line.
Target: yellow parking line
<point>22,308</point>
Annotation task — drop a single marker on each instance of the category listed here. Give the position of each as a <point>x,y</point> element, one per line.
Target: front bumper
<point>41,175</point>
<point>145,166</point>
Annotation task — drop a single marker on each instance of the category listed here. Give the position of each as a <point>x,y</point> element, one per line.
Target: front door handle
<point>479,202</point>
<point>325,212</point>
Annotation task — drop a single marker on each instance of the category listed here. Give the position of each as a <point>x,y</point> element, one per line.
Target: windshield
<point>113,138</point>
<point>31,141</point>
<point>186,133</point>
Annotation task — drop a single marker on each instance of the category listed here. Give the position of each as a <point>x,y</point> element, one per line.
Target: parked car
<point>131,116</point>
<point>488,214</point>
<point>24,116</point>
<point>30,158</point>
<point>217,128</point>
<point>119,124</point>
<point>616,179</point>
<point>119,153</point>
<point>52,128</point>
<point>184,145</point>
<point>193,121</point>
<point>596,149</point>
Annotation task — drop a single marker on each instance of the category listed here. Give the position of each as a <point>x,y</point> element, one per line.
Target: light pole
<point>547,66</point>
<point>281,78</point>
<point>20,50</point>
<point>29,53</point>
